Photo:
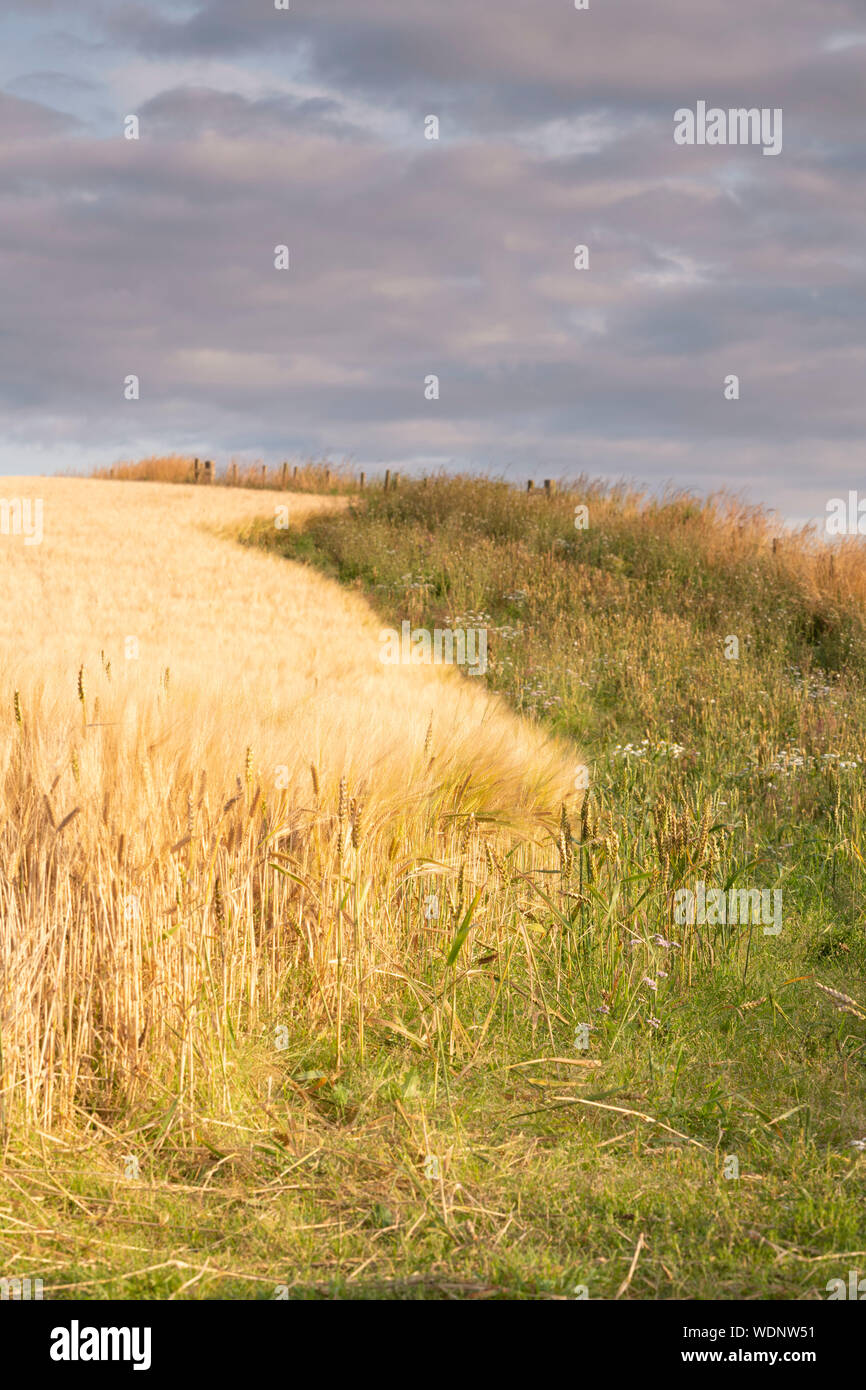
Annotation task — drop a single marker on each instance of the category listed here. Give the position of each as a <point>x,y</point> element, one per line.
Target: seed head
<point>358,823</point>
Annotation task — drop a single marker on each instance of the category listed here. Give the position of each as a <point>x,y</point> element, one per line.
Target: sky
<point>454,257</point>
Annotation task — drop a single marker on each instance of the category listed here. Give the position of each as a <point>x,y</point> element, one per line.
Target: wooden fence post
<point>285,475</point>
<point>363,480</point>
<point>530,486</point>
<point>195,470</point>
<point>548,486</point>
<point>387,478</point>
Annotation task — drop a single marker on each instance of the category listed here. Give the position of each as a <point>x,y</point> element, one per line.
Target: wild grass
<point>309,475</point>
<point>410,1026</point>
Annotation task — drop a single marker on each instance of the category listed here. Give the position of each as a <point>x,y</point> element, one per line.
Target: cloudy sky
<point>411,257</point>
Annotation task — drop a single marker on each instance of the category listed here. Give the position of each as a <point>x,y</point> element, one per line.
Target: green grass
<point>456,1158</point>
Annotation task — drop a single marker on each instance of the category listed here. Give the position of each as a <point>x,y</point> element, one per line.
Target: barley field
<point>323,977</point>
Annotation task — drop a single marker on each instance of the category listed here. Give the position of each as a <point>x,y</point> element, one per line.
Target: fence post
<point>548,487</point>
<point>264,475</point>
<point>530,486</point>
<point>363,480</point>
<point>285,474</point>
<point>195,470</point>
<point>387,478</point>
<point>327,477</point>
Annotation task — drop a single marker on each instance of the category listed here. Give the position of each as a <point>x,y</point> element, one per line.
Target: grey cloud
<point>46,87</point>
<point>411,257</point>
<point>21,119</point>
<point>186,113</point>
<point>511,62</point>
